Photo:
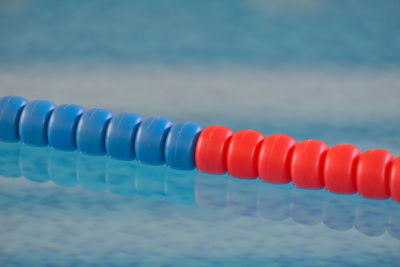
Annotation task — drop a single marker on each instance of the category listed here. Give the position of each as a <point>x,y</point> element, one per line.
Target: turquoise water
<point>63,208</point>
<point>312,69</point>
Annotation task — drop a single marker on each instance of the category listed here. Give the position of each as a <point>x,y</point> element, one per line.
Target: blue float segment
<point>34,121</point>
<point>91,131</point>
<point>120,136</point>
<point>10,112</point>
<point>62,126</point>
<point>180,146</point>
<point>150,140</point>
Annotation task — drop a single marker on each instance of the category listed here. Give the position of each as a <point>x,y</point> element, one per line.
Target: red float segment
<point>243,154</point>
<point>373,173</point>
<point>211,149</point>
<point>340,169</point>
<point>275,157</point>
<point>308,163</point>
<point>394,182</point>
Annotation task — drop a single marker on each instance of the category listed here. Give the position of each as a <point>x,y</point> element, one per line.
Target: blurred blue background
<point>312,69</point>
<point>252,32</point>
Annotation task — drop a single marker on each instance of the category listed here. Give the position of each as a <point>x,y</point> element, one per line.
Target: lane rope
<point>247,154</point>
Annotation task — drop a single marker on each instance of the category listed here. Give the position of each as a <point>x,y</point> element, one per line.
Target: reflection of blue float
<point>274,202</point>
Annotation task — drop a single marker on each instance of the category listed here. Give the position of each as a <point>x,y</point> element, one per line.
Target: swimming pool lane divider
<point>247,154</point>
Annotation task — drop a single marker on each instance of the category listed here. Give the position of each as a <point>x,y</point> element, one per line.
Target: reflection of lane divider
<point>279,203</point>
<point>96,174</point>
<point>247,154</point>
<point>276,203</point>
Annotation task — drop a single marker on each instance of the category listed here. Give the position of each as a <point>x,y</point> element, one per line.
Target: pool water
<point>64,208</point>
<point>313,69</point>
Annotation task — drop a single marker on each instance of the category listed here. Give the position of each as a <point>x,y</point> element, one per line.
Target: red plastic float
<point>243,154</point>
<point>395,180</point>
<point>373,174</point>
<point>212,148</point>
<point>274,159</point>
<point>341,169</point>
<point>307,164</point>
